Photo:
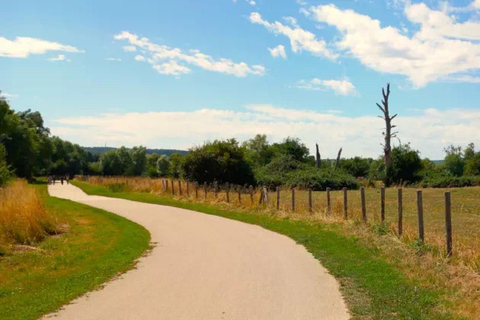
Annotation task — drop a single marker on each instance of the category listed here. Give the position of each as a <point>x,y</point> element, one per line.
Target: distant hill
<point>101,150</point>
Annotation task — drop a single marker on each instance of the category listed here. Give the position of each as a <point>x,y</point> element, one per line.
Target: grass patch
<point>97,246</point>
<point>372,287</point>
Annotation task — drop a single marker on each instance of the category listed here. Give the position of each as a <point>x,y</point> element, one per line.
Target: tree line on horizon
<point>27,149</point>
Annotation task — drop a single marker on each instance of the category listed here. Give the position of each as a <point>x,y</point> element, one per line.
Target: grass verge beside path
<point>97,246</point>
<point>372,287</point>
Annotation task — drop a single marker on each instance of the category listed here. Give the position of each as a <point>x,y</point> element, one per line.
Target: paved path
<point>207,268</point>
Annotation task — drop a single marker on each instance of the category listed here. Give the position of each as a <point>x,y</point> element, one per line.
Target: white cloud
<point>140,58</point>
<point>164,58</point>
<point>8,95</point>
<point>476,4</point>
<point>172,68</point>
<point>129,48</point>
<point>278,51</point>
<point>60,57</point>
<point>299,39</point>
<point>251,2</point>
<point>343,87</point>
<point>441,47</point>
<point>113,59</point>
<point>429,130</point>
<point>22,47</point>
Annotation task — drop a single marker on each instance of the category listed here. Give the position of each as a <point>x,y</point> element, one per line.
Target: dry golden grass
<point>458,276</point>
<point>23,217</point>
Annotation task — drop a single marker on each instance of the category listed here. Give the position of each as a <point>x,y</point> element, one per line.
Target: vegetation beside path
<point>373,287</point>
<point>93,247</point>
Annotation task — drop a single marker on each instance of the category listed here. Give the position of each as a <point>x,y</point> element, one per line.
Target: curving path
<point>206,268</point>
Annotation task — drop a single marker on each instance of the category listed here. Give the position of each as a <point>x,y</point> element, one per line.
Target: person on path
<point>61,179</point>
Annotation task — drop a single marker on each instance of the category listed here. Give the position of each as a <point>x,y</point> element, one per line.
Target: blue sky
<point>173,74</point>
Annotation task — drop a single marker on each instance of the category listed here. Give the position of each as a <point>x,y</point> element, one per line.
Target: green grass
<point>97,246</point>
<point>372,287</point>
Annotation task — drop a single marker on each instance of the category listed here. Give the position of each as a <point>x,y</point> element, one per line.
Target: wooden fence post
<point>188,189</point>
<point>239,190</point>
<point>420,215</point>
<point>293,199</point>
<point>448,223</point>
<point>180,187</point>
<point>227,187</point>
<point>196,190</point>
<point>278,198</point>
<point>345,203</point>
<point>215,188</point>
<point>205,190</point>
<point>250,189</point>
<point>364,205</point>
<point>400,211</point>
<point>173,187</point>
<point>329,204</point>
<point>265,195</point>
<point>310,202</point>
<point>382,204</point>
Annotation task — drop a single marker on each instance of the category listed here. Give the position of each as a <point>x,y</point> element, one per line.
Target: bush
<point>223,161</point>
<point>320,180</point>
<point>450,182</point>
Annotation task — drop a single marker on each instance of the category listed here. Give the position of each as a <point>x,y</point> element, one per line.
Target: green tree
<point>291,147</point>
<point>163,165</point>
<point>257,150</point>
<point>223,161</point>
<point>407,164</point>
<point>454,161</point>
<point>139,160</point>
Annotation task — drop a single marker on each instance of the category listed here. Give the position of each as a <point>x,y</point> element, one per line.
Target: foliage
<point>407,165</point>
<point>163,165</point>
<point>357,166</point>
<point>291,147</point>
<point>285,170</point>
<point>175,167</point>
<point>257,151</point>
<point>5,172</point>
<point>223,161</point>
<point>124,161</point>
<point>450,182</point>
<point>454,162</point>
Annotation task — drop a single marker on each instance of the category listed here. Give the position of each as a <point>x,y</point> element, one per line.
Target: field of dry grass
<point>23,217</point>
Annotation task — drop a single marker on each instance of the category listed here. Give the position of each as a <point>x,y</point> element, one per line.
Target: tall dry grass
<point>23,217</point>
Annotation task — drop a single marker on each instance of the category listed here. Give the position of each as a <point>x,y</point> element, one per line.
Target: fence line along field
<point>313,206</point>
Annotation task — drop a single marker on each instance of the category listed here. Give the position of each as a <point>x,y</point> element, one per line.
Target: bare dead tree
<point>388,134</point>
<point>318,160</point>
<point>337,163</point>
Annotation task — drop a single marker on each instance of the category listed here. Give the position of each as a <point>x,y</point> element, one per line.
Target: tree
<point>223,161</point>
<point>318,159</point>
<point>292,147</point>
<point>163,165</point>
<point>138,156</point>
<point>454,162</point>
<point>5,173</point>
<point>257,151</point>
<point>407,165</point>
<point>388,134</point>
<point>111,163</point>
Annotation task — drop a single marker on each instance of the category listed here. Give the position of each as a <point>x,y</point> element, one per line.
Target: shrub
<point>450,182</point>
<point>321,179</point>
<point>23,217</point>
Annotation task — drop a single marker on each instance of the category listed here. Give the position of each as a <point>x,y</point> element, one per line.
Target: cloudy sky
<point>172,74</point>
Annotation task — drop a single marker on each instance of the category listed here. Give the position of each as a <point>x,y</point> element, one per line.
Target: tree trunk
<point>318,160</point>
<point>388,135</point>
<point>337,163</point>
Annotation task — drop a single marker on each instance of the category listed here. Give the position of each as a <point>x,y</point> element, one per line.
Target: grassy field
<point>381,277</point>
<point>93,247</point>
